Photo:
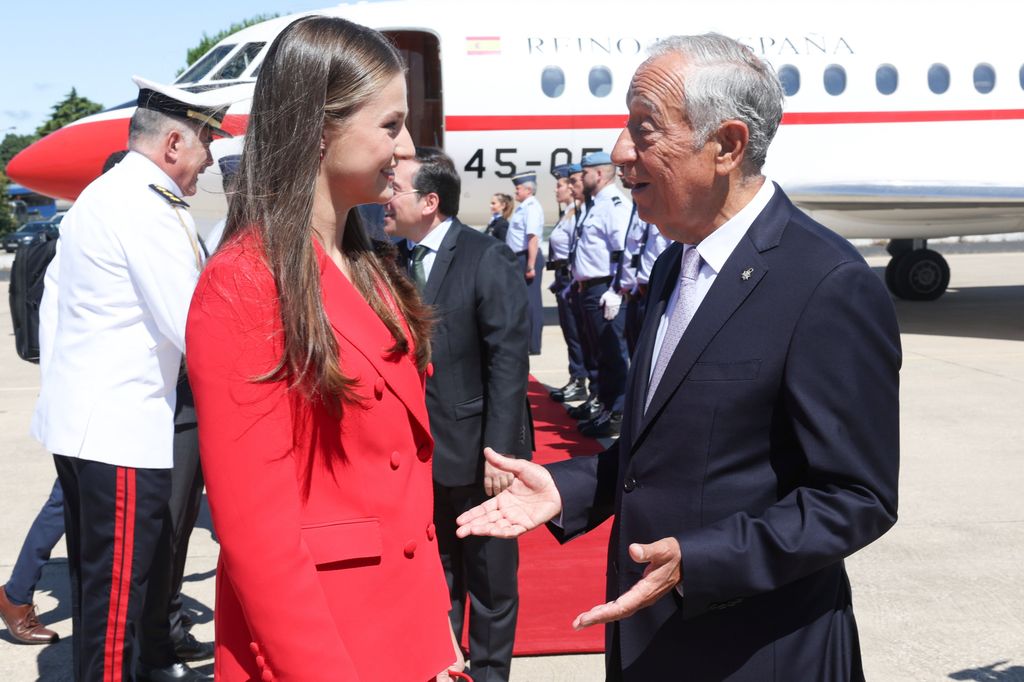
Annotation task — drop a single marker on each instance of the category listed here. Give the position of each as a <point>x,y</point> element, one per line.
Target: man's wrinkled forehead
<point>657,84</point>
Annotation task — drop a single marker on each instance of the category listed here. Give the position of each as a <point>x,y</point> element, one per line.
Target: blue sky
<point>52,45</point>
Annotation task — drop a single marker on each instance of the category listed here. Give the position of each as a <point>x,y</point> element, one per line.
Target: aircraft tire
<point>919,275</point>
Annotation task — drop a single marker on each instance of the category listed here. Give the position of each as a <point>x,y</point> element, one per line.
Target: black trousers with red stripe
<point>115,519</point>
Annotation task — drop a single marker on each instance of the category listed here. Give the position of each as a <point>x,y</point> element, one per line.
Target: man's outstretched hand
<point>531,500</point>
<point>662,574</point>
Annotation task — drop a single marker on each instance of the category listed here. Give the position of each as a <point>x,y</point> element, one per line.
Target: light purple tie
<point>686,305</point>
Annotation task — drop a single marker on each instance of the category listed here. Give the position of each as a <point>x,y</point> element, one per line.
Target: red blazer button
<point>396,459</point>
<point>254,648</point>
<point>410,549</point>
<point>430,369</point>
<point>430,532</point>
<point>261,662</point>
<point>268,676</point>
<point>378,388</point>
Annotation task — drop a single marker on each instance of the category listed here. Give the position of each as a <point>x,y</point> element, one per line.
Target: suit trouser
<point>606,336</point>
<point>636,308</point>
<point>186,500</point>
<point>115,519</point>
<point>45,532</point>
<point>485,569</point>
<point>567,321</point>
<point>536,307</point>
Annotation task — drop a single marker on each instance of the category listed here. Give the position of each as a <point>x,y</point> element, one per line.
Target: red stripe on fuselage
<point>602,121</point>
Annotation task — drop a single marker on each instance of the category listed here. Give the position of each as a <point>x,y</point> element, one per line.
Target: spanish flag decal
<point>478,45</point>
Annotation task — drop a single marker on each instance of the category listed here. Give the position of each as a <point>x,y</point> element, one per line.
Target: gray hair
<point>725,80</point>
<point>530,185</point>
<point>148,125</point>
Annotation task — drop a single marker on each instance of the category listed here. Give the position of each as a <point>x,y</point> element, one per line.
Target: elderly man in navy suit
<point>760,442</point>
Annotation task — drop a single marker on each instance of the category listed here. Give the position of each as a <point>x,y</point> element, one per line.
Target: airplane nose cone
<point>61,164</point>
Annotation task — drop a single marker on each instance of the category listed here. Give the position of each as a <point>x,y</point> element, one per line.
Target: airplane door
<point>422,54</point>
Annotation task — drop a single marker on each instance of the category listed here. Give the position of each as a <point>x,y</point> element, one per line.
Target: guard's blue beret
<point>596,159</point>
<point>561,171</point>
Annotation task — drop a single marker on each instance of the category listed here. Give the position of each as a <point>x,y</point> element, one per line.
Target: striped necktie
<point>686,305</point>
<point>419,275</point>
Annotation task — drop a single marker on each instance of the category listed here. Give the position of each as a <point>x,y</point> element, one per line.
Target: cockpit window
<point>240,62</point>
<point>205,65</point>
<point>835,79</point>
<point>552,81</point>
<point>938,78</point>
<point>600,81</point>
<point>789,76</point>
<point>887,79</point>
<point>984,78</point>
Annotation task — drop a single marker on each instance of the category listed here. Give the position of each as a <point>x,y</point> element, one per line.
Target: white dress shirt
<point>714,251</point>
<point>433,242</point>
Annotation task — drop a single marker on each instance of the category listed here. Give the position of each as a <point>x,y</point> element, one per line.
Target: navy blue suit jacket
<point>770,451</point>
<point>480,347</point>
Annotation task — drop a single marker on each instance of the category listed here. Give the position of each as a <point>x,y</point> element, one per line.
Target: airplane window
<point>600,81</point>
<point>237,65</point>
<point>984,78</point>
<point>887,79</point>
<point>938,78</point>
<point>205,64</point>
<point>552,81</point>
<point>1022,77</point>
<point>789,76</point>
<point>835,79</point>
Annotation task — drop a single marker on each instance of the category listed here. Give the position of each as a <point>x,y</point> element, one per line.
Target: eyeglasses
<point>410,191</point>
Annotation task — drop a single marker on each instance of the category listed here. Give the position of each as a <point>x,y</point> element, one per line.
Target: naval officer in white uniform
<point>128,262</point>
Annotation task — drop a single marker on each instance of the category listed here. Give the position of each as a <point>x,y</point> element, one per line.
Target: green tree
<point>7,222</point>
<point>11,145</point>
<point>71,108</point>
<point>209,41</point>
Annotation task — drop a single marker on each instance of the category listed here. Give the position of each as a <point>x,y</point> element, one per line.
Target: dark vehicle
<point>32,233</point>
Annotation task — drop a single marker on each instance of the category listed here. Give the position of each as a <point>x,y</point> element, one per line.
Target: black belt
<point>522,253</point>
<point>593,282</point>
<point>556,264</point>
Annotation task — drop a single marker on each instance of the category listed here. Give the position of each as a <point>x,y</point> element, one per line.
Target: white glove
<point>610,302</point>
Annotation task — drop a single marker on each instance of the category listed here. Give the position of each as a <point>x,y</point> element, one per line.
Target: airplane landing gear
<point>916,273</point>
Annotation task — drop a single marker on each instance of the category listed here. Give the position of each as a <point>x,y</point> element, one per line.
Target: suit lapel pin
<point>747,273</point>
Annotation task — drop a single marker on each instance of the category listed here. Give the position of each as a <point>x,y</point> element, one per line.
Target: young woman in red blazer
<point>307,354</point>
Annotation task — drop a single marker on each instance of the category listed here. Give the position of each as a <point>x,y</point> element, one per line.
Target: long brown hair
<point>506,204</point>
<point>317,73</point>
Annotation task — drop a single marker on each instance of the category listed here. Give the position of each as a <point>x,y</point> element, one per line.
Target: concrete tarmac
<point>940,597</point>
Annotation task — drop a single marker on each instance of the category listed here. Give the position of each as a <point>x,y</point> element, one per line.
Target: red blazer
<point>329,567</point>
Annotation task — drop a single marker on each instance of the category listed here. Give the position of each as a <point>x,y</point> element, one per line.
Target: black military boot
<point>576,389</point>
<point>588,409</point>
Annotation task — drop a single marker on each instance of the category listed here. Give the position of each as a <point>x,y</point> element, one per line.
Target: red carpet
<point>558,582</point>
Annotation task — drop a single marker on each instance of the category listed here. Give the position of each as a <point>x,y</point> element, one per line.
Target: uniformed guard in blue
<point>525,230</point>
<point>644,243</point>
<point>601,240</point>
<point>590,407</point>
<point>559,242</point>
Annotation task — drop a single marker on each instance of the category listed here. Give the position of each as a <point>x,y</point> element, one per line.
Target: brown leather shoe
<point>22,622</point>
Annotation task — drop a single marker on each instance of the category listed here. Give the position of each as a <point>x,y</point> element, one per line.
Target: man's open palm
<point>531,500</point>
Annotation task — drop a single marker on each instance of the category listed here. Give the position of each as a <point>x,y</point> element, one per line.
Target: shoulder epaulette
<point>169,196</point>
<point>616,200</point>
